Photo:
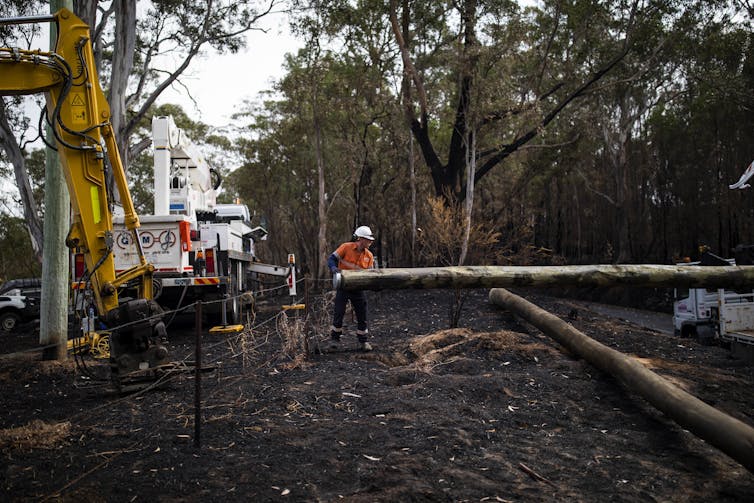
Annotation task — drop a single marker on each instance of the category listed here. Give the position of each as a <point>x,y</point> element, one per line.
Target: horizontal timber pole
<point>647,275</point>
<point>735,438</point>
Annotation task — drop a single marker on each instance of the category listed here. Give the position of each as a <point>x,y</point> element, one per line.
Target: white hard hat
<point>364,232</point>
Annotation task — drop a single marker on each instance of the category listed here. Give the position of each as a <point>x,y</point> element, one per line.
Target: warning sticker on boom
<point>78,108</point>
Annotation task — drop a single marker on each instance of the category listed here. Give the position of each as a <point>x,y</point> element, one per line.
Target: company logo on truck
<point>165,239</point>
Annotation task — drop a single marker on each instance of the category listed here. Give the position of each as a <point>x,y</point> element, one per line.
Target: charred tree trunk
<point>733,437</point>
<point>321,202</point>
<point>545,276</point>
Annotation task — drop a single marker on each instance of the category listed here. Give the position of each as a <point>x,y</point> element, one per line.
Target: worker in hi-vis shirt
<point>352,255</point>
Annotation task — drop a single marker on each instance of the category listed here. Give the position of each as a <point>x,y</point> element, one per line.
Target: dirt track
<point>488,412</point>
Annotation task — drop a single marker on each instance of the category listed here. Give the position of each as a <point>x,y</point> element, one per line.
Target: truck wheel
<point>233,304</point>
<point>705,334</point>
<point>234,310</point>
<point>9,320</point>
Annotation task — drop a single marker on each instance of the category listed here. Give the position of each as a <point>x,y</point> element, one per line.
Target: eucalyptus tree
<point>14,122</point>
<point>313,156</point>
<point>150,50</point>
<point>142,49</point>
<point>702,141</point>
<point>338,112</point>
<point>277,179</point>
<point>512,71</point>
<point>646,78</point>
<point>636,184</point>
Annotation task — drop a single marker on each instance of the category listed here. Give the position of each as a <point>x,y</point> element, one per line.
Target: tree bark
<point>733,437</point>
<point>650,275</point>
<point>469,203</point>
<point>16,158</point>
<point>321,201</point>
<point>87,11</point>
<point>123,62</point>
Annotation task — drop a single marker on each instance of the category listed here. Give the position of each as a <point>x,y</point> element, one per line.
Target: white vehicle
<point>718,314</point>
<point>19,303</point>
<point>200,249</point>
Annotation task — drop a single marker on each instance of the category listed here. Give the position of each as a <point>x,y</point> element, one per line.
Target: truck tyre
<point>233,314</point>
<point>705,334</point>
<point>233,305</point>
<point>9,320</point>
<point>688,331</point>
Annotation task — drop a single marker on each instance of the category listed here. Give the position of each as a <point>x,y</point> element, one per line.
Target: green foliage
<point>703,143</point>
<point>636,168</point>
<point>16,250</point>
<point>19,35</point>
<point>35,167</point>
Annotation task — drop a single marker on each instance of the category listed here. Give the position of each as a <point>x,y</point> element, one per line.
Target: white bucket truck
<point>200,249</point>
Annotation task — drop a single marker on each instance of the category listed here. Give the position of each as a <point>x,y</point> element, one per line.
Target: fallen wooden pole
<point>735,438</point>
<point>648,275</point>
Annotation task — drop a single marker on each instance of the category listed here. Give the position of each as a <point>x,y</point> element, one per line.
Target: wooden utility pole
<point>545,276</point>
<point>53,328</point>
<point>735,438</point>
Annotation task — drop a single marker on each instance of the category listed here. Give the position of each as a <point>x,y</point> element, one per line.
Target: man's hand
<point>334,270</point>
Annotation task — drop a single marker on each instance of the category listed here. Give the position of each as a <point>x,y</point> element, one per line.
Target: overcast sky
<point>220,83</point>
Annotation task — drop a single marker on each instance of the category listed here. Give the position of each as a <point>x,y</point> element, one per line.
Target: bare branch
<point>593,190</point>
<point>408,65</point>
<point>508,149</point>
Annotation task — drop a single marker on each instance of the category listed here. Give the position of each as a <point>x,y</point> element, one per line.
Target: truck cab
<point>714,314</point>
<point>695,311</point>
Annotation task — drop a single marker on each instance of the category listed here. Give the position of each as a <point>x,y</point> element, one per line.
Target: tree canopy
<point>593,131</point>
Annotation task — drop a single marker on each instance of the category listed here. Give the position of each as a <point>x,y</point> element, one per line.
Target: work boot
<point>334,343</point>
<point>365,346</point>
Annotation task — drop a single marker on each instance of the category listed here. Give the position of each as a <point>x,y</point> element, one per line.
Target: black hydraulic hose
<point>43,116</point>
<point>68,84</point>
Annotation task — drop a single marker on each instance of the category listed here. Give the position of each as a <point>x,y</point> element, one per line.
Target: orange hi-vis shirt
<point>351,258</point>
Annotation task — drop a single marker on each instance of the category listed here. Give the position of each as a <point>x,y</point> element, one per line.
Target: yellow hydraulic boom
<point>79,116</point>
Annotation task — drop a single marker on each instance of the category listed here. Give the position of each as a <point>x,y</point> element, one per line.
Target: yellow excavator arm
<point>79,115</point>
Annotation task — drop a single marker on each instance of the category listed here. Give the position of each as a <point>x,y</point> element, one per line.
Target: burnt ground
<point>492,411</point>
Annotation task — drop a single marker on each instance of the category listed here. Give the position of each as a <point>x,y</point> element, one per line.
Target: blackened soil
<point>490,411</point>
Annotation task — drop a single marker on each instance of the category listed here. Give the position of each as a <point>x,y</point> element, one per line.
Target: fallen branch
<point>735,438</point>
<point>535,475</point>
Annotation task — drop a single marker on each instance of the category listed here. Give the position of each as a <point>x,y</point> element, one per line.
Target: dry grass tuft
<point>448,345</point>
<point>35,435</point>
<point>292,332</point>
<point>247,343</point>
<point>320,317</point>
<point>26,366</point>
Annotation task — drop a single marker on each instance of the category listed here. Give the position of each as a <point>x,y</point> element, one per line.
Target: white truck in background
<point>200,249</point>
<point>726,316</point>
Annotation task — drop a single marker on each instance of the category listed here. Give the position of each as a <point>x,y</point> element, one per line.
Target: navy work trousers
<point>359,302</point>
